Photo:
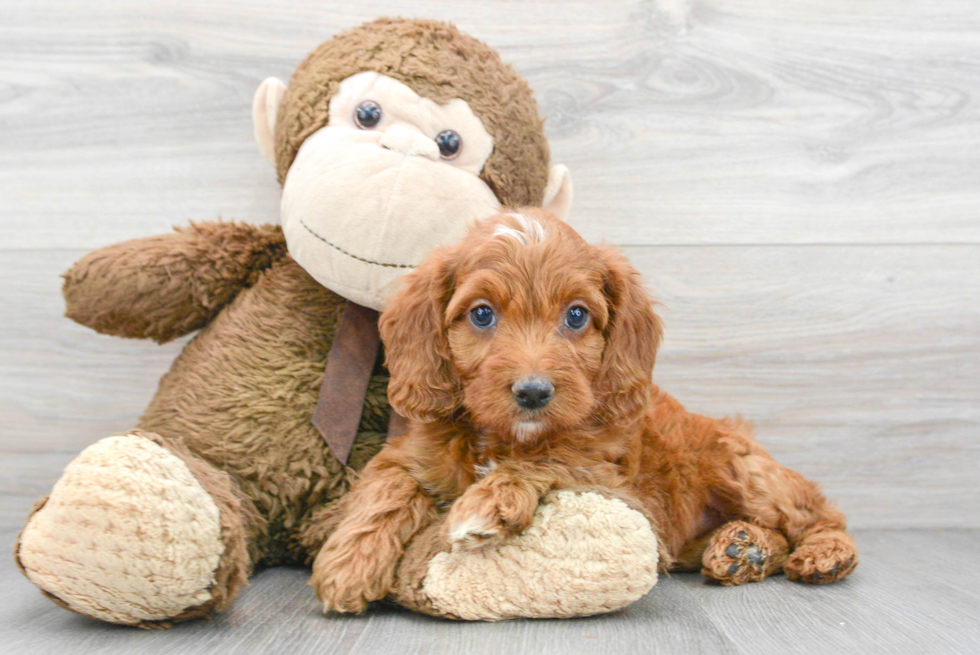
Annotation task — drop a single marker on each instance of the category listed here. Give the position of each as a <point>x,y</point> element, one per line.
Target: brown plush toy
<point>389,140</point>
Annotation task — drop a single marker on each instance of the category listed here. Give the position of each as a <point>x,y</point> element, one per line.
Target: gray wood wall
<point>799,181</point>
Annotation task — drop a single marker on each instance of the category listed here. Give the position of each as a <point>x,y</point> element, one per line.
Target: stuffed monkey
<point>390,139</point>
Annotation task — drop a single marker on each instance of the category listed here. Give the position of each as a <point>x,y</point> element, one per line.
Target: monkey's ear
<point>558,193</point>
<point>265,107</point>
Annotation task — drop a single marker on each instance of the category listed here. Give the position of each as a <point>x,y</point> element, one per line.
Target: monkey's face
<point>391,176</point>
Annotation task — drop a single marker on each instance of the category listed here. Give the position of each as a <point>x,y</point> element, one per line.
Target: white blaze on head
<point>528,230</point>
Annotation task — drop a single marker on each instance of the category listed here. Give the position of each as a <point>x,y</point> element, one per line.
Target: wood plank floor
<point>914,592</point>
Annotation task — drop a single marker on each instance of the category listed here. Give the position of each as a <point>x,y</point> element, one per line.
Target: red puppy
<point>523,357</point>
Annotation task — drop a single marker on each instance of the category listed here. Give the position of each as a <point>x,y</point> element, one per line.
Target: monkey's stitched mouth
<point>349,254</point>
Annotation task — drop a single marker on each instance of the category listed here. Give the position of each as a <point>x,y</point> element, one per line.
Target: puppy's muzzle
<point>533,392</point>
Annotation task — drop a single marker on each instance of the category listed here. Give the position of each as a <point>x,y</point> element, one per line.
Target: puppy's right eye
<point>367,114</point>
<point>576,317</point>
<point>482,317</point>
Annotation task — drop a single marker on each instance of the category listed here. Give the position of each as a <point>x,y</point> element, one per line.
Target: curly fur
<point>470,444</point>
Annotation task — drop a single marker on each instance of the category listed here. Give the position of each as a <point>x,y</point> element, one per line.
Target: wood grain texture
<point>911,594</point>
<point>63,386</point>
<point>710,122</point>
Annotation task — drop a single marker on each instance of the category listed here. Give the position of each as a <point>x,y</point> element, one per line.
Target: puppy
<point>523,358</point>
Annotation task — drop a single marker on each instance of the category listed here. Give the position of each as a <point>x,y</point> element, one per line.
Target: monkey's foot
<point>584,553</point>
<point>743,552</point>
<point>128,535</point>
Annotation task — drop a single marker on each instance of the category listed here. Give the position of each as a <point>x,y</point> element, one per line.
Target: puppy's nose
<point>533,393</point>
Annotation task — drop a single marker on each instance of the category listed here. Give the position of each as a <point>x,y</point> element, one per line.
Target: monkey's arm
<point>165,286</point>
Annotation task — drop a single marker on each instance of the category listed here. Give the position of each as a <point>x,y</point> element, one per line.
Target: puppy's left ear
<point>423,385</point>
<point>632,335</point>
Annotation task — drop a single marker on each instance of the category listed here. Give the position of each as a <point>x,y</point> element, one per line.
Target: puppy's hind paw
<point>823,558</point>
<point>742,552</point>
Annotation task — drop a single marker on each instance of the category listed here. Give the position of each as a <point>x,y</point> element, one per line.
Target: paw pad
<point>748,559</point>
<point>741,560</point>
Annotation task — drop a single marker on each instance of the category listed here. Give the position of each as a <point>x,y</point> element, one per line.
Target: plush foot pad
<point>128,535</point>
<point>822,558</point>
<point>584,554</point>
<point>742,552</point>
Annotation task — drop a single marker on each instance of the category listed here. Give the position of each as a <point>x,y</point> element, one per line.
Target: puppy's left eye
<point>577,317</point>
<point>482,317</point>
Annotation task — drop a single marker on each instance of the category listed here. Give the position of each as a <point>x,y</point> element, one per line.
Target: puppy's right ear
<point>423,385</point>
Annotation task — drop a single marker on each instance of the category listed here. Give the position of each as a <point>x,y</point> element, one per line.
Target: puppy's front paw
<point>473,531</point>
<point>486,515</point>
<point>338,595</point>
<point>346,582</point>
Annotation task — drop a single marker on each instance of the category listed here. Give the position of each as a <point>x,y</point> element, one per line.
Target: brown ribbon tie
<point>350,363</point>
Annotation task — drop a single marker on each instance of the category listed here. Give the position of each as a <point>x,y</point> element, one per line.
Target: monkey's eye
<point>449,143</point>
<point>577,317</point>
<point>367,114</point>
<point>482,317</point>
